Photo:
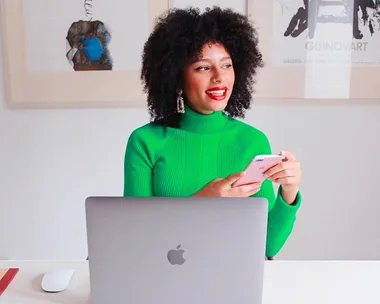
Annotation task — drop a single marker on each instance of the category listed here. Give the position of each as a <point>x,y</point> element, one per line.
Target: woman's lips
<point>217,93</point>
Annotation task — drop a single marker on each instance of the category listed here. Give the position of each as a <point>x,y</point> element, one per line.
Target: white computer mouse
<point>57,280</point>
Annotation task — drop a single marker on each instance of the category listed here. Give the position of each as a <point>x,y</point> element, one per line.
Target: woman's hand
<point>288,175</point>
<point>222,187</point>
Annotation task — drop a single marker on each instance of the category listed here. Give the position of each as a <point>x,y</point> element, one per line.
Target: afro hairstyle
<point>178,36</point>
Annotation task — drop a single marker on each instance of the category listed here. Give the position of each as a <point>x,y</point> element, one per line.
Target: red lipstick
<point>217,93</point>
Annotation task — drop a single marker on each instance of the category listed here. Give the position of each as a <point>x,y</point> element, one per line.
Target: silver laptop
<point>176,250</point>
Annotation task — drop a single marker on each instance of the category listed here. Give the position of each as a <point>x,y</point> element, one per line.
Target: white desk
<point>293,282</point>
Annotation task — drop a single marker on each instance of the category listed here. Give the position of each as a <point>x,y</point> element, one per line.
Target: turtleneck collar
<point>196,122</point>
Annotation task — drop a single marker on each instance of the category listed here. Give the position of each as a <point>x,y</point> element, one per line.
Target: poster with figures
<point>326,32</point>
<point>318,49</point>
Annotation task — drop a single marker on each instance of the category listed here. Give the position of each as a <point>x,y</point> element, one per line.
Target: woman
<point>198,71</point>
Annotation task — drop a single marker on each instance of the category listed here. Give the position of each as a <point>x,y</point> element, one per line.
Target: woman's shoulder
<point>252,138</point>
<point>148,129</point>
<point>148,133</point>
<point>248,131</point>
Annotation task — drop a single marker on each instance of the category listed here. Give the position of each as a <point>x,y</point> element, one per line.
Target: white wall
<point>51,160</point>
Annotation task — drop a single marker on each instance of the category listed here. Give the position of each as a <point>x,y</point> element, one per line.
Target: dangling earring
<point>180,103</point>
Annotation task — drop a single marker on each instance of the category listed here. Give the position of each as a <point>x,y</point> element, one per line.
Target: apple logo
<point>175,256</point>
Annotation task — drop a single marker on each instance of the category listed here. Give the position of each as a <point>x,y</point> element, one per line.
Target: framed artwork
<point>75,53</point>
<point>318,49</point>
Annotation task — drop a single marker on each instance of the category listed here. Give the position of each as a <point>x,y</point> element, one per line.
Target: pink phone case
<point>259,164</point>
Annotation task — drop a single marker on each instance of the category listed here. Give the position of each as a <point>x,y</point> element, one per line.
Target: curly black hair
<point>178,36</point>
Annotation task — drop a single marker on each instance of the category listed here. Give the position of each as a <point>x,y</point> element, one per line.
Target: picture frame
<point>32,85</point>
<point>316,52</point>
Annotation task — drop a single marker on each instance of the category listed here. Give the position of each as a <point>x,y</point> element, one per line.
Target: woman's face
<point>209,80</point>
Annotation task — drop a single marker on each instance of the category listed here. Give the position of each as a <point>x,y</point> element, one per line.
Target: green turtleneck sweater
<point>165,161</point>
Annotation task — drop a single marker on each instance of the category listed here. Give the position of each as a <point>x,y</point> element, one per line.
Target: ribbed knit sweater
<point>165,161</point>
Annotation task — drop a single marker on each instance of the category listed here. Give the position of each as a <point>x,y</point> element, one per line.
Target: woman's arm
<point>282,210</point>
<point>138,167</point>
<point>281,220</point>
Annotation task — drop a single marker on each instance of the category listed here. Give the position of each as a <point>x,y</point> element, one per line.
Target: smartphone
<point>256,168</point>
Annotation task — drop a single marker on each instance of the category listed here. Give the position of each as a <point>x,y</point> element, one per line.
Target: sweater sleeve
<point>281,216</point>
<point>138,166</point>
<point>281,219</point>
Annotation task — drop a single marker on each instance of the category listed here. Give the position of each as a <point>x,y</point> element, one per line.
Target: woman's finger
<point>289,156</point>
<point>243,191</point>
<point>285,173</point>
<point>229,180</point>
<point>287,180</point>
<point>280,167</point>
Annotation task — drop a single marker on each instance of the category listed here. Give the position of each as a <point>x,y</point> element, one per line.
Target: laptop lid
<point>176,250</point>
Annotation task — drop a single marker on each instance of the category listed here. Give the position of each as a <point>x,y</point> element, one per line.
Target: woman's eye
<point>202,68</point>
<point>228,65</point>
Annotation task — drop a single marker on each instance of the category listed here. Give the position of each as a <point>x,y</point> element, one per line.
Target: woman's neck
<point>196,122</point>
